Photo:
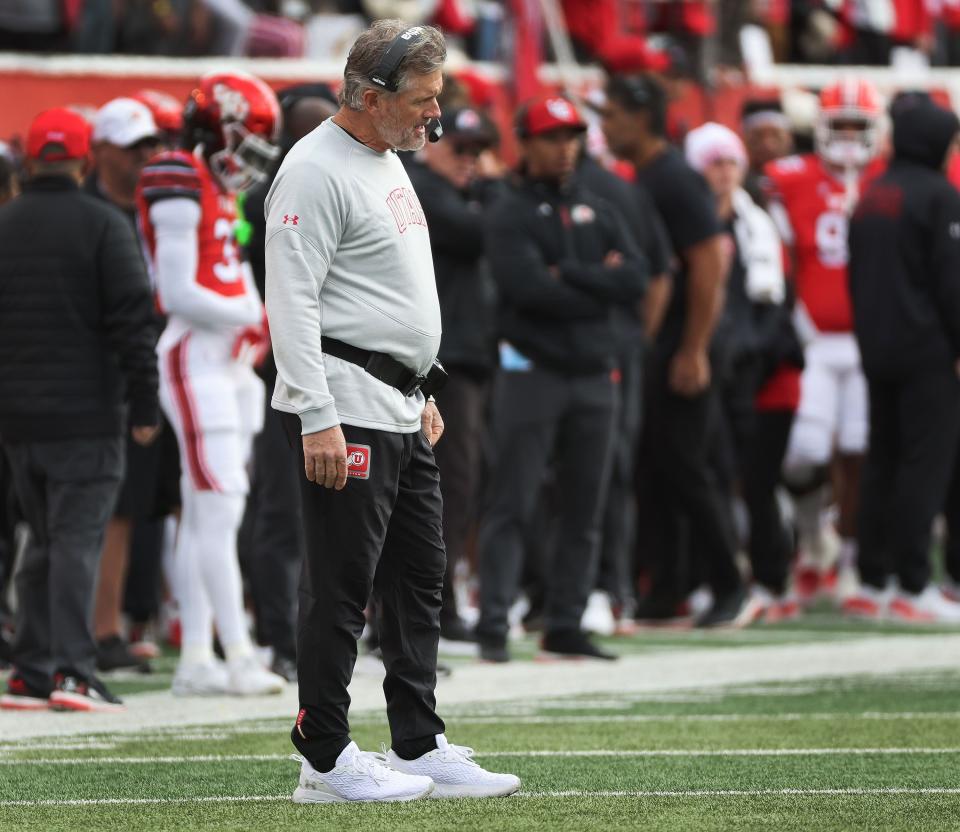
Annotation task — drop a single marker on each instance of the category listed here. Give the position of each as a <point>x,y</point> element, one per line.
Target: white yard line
<point>651,752</point>
<point>475,683</point>
<point>278,798</point>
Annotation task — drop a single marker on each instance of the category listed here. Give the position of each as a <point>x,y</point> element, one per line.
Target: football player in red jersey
<point>215,331</point>
<point>812,198</point>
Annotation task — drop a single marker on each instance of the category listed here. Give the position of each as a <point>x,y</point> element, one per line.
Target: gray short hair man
<point>353,308</point>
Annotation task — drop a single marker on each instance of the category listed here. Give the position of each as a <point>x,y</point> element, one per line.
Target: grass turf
<point>844,713</point>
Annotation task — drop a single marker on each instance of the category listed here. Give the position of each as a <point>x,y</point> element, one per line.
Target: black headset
<point>640,92</point>
<point>385,75</point>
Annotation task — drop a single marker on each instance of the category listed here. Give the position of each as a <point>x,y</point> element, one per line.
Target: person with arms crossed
<point>352,301</point>
<point>565,266</point>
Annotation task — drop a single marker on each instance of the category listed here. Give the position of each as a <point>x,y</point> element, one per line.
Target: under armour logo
<point>291,219</point>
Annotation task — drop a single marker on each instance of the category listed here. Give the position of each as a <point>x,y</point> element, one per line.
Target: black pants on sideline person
<point>540,415</point>
<point>274,536</point>
<point>770,543</point>
<point>382,535</point>
<point>682,505</point>
<point>67,490</point>
<point>914,433</point>
<point>462,403</point>
<point>951,513</point>
<point>620,517</point>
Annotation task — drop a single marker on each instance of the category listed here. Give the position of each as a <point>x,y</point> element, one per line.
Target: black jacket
<point>77,331</point>
<point>546,247</point>
<point>904,266</point>
<point>468,295</point>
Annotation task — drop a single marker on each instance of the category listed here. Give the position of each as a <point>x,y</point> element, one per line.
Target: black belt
<point>387,369</point>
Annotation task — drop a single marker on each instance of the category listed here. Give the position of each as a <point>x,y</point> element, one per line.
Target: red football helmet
<point>167,110</point>
<point>847,132</point>
<point>236,118</point>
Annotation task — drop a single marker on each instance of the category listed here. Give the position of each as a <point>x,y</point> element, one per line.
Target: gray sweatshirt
<point>348,255</point>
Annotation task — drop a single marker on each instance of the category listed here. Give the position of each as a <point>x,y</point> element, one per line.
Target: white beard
<point>400,138</point>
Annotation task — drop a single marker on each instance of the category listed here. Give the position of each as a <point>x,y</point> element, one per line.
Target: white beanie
<point>713,141</point>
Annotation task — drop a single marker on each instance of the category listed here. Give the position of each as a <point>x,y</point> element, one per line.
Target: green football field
<point>864,751</point>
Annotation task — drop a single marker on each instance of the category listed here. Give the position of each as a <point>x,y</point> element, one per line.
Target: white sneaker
<point>868,602</point>
<point>250,678</point>
<point>848,583</point>
<point>358,776</point>
<point>930,605</point>
<point>598,616</point>
<point>452,769</point>
<point>201,679</point>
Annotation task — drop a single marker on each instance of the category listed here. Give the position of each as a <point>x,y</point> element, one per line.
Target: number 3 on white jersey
<point>227,270</point>
<point>831,238</point>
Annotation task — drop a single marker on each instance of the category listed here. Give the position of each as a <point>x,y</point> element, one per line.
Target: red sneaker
<point>22,697</point>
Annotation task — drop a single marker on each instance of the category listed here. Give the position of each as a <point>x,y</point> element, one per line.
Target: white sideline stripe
<point>787,717</point>
<point>651,752</point>
<point>222,732</point>
<point>168,801</point>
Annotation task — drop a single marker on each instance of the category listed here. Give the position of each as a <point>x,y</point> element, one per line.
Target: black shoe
<point>735,609</point>
<point>285,667</point>
<point>22,696</point>
<point>113,653</point>
<point>574,644</point>
<point>72,692</point>
<point>656,608</point>
<point>492,650</point>
<point>456,629</point>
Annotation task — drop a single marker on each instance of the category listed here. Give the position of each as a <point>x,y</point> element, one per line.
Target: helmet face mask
<point>245,159</point>
<point>848,128</point>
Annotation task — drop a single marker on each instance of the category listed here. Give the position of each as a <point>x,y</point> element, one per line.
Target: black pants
<point>462,404</point>
<point>539,415</point>
<point>379,535</point>
<point>615,575</point>
<point>914,432</point>
<point>143,592</point>
<point>9,516</point>
<point>681,501</point>
<point>761,461</point>
<point>67,490</point>
<point>274,536</point>
<point>951,512</point>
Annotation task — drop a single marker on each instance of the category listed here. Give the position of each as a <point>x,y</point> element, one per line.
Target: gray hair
<point>427,54</point>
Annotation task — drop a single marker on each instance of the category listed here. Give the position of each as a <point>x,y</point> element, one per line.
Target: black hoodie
<point>546,245</point>
<point>904,266</point>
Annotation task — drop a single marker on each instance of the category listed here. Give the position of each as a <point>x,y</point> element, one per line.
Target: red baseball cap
<point>546,114</point>
<point>62,127</point>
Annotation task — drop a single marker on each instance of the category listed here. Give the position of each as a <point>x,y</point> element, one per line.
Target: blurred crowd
<point>657,408</point>
<point>710,40</point>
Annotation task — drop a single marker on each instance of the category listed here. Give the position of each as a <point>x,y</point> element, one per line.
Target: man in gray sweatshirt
<point>353,311</point>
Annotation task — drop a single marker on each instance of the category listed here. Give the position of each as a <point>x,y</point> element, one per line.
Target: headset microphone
<point>434,130</point>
